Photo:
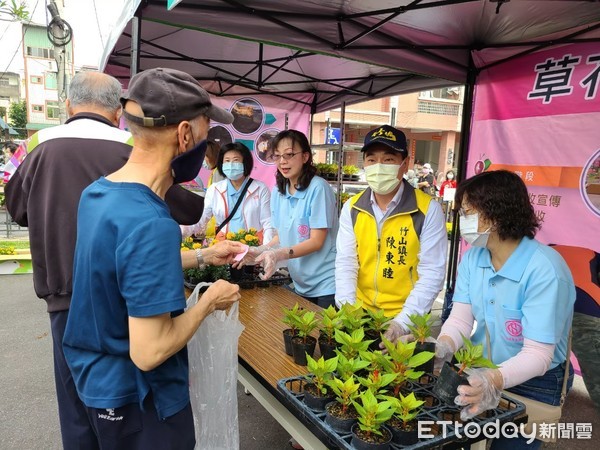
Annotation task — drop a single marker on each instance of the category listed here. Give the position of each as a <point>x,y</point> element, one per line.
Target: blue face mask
<point>233,170</point>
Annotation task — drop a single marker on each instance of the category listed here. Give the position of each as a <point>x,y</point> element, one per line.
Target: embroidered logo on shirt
<point>513,327</point>
<point>303,231</point>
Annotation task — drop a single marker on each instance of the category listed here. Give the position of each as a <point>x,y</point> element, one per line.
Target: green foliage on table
<point>306,324</point>
<point>291,317</point>
<point>377,359</point>
<point>330,321</point>
<point>208,274</point>
<point>403,362</point>
<point>352,344</point>
<point>420,326</point>
<point>372,413</point>
<point>345,391</point>
<point>471,355</point>
<point>406,408</point>
<point>350,170</point>
<point>353,316</point>
<point>377,381</point>
<point>322,371</point>
<point>378,321</point>
<point>347,367</point>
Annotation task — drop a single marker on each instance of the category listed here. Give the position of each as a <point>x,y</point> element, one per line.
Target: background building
<point>10,92</point>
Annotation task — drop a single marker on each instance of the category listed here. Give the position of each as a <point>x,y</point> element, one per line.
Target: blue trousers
<point>75,427</point>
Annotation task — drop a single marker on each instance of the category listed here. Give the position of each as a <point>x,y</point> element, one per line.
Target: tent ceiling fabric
<point>342,50</point>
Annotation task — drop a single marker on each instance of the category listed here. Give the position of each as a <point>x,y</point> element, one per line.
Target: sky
<point>91,21</point>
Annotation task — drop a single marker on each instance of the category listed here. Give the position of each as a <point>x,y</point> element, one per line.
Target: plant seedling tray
<point>509,409</point>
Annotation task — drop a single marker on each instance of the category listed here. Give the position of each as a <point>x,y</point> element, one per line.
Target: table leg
<point>286,419</point>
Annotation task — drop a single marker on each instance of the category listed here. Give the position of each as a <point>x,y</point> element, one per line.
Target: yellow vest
<point>387,271</point>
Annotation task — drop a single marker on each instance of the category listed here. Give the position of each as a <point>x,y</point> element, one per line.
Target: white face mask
<point>450,176</point>
<point>383,178</point>
<point>468,230</point>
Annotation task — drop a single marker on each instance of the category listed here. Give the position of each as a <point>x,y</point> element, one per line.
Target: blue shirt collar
<point>517,262</point>
<point>231,190</point>
<point>297,194</point>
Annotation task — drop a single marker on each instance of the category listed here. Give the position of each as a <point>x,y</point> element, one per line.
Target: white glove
<point>394,332</point>
<point>479,395</point>
<point>269,259</point>
<point>443,353</point>
<point>250,257</point>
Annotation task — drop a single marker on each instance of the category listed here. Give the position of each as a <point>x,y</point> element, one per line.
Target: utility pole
<point>60,34</point>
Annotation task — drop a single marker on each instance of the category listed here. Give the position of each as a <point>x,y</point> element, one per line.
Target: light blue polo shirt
<point>237,222</point>
<point>293,216</point>
<point>531,296</point>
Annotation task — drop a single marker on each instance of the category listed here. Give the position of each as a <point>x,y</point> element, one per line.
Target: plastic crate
<point>507,411</point>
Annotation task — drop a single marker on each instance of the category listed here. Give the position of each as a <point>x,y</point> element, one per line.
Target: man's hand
<point>221,295</point>
<point>482,392</point>
<point>222,252</point>
<point>394,332</point>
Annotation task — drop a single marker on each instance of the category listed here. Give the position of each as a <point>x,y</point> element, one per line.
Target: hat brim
<point>373,143</point>
<point>219,115</point>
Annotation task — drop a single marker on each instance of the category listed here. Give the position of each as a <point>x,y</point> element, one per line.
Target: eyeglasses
<point>286,156</point>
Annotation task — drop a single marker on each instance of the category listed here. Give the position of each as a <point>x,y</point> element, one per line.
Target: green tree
<point>2,112</point>
<point>13,10</point>
<point>17,113</point>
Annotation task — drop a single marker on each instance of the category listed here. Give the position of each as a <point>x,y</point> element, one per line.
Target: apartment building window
<point>37,52</point>
<point>36,79</point>
<point>4,82</point>
<point>52,111</point>
<point>37,108</point>
<point>51,82</point>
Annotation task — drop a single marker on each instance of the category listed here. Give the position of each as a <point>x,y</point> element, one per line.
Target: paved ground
<point>28,415</point>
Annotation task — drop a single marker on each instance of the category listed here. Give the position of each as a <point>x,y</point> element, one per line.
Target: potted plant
<point>350,173</point>
<point>330,321</point>
<point>246,276</point>
<point>403,362</point>
<point>353,316</point>
<point>377,360</point>
<point>369,433</point>
<point>316,391</point>
<point>377,381</point>
<point>376,326</point>
<point>421,330</point>
<point>351,344</point>
<point>291,317</point>
<point>403,423</point>
<point>341,414</point>
<point>347,367</point>
<point>303,343</point>
<point>469,356</point>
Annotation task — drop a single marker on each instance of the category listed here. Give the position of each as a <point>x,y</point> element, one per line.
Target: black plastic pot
<point>448,381</point>
<point>315,402</point>
<point>375,336</point>
<point>246,284</point>
<point>405,437</point>
<point>359,444</point>
<point>426,347</point>
<point>341,425</point>
<point>300,349</point>
<point>327,349</point>
<point>288,334</point>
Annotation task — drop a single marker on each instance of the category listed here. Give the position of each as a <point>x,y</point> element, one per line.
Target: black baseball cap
<point>168,97</point>
<point>388,136</point>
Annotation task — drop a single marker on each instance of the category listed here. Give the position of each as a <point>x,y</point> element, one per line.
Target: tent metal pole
<point>465,137</point>
<point>340,161</point>
<point>136,36</point>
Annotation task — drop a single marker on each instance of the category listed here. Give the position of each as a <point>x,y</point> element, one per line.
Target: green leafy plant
<point>345,391</point>
<point>347,367</point>
<point>406,408</point>
<point>330,321</point>
<point>378,321</point>
<point>351,344</point>
<point>353,316</point>
<point>420,326</point>
<point>350,170</point>
<point>306,324</point>
<point>403,361</point>
<point>208,273</point>
<point>471,355</point>
<point>377,360</point>
<point>291,317</point>
<point>372,413</point>
<point>377,381</point>
<point>322,371</point>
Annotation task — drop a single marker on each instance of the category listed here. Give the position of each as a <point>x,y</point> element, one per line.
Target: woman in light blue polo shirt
<point>304,213</point>
<point>520,293</point>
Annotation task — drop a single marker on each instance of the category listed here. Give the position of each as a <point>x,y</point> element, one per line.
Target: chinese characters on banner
<point>538,117</point>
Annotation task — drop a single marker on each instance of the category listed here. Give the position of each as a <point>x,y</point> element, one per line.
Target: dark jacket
<point>44,192</point>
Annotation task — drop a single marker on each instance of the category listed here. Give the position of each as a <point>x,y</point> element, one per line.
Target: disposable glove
<point>269,259</point>
<point>443,353</point>
<point>250,258</point>
<point>480,394</point>
<point>394,332</point>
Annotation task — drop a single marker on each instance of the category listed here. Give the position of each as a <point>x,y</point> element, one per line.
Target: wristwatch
<point>200,259</point>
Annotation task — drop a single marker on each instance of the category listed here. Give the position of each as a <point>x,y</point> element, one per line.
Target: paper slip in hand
<point>239,256</point>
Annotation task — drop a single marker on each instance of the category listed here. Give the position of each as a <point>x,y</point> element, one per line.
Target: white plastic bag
<point>213,360</point>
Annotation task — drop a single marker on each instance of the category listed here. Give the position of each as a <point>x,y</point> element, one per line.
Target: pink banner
<point>257,120</point>
<point>538,116</point>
